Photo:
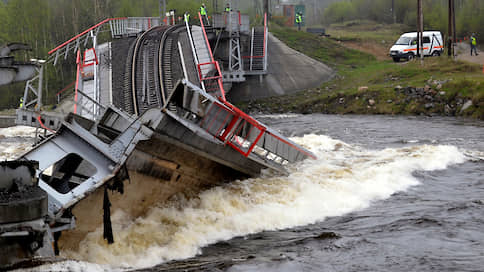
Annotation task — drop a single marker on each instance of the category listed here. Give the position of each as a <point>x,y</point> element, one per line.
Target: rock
<point>438,87</point>
<point>363,88</point>
<point>428,98</point>
<point>429,105</point>
<point>442,93</point>
<point>447,109</point>
<point>398,88</point>
<point>389,101</point>
<point>341,100</point>
<point>371,102</point>
<point>466,105</point>
<point>426,88</point>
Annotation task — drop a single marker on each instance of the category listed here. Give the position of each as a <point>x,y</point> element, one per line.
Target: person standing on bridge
<point>186,18</point>
<point>473,41</point>
<point>21,103</point>
<point>227,8</point>
<point>298,20</point>
<point>203,14</point>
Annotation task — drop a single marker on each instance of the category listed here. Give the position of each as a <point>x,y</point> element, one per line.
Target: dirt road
<point>381,52</point>
<point>463,51</point>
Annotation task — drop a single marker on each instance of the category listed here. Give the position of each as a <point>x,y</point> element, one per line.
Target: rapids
<point>365,164</point>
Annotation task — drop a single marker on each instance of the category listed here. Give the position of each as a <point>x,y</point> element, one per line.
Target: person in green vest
<point>298,20</point>
<point>473,44</point>
<point>21,102</point>
<point>203,14</point>
<point>186,18</point>
<point>227,8</point>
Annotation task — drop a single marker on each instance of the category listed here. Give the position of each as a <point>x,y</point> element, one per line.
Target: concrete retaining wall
<point>289,71</point>
<point>7,121</point>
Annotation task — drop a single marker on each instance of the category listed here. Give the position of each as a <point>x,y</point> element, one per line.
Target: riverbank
<point>367,84</point>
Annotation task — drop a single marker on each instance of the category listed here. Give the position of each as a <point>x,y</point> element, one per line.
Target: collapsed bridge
<point>149,106</point>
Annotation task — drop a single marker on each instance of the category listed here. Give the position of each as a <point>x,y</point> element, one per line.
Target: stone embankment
<point>428,100</point>
<point>434,100</point>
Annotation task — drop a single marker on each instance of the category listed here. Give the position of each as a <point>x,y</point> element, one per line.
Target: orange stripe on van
<point>415,49</point>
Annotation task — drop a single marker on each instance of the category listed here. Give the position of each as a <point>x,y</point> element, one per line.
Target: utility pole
<point>454,30</point>
<point>420,30</point>
<point>450,51</point>
<point>162,8</point>
<point>394,15</point>
<point>266,8</point>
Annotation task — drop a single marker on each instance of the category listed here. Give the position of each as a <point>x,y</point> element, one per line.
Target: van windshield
<point>403,41</point>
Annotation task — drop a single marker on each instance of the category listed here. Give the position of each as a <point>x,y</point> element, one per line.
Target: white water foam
<point>345,178</point>
<point>10,150</point>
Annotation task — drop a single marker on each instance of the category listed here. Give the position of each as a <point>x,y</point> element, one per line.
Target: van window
<point>403,41</point>
<point>426,39</point>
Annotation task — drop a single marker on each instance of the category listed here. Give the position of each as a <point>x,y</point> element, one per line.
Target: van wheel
<point>410,57</point>
<point>396,59</point>
<point>436,54</point>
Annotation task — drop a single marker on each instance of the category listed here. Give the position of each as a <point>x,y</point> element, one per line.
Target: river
<point>385,194</point>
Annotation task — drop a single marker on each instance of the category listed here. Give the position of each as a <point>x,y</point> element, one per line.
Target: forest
<point>44,24</point>
<point>469,18</point>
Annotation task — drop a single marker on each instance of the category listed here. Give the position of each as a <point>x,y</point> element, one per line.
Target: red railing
<point>219,80</point>
<point>58,94</point>
<point>230,129</point>
<point>41,122</point>
<point>85,32</point>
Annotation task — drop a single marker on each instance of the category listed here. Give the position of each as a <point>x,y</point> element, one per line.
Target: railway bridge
<point>149,106</point>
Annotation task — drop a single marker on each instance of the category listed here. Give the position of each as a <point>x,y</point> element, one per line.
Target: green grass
<point>323,49</point>
<point>366,31</point>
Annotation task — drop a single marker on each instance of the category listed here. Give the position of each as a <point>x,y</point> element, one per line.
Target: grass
<point>366,31</point>
<point>460,81</point>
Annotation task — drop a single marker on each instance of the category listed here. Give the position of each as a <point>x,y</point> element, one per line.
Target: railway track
<point>152,69</point>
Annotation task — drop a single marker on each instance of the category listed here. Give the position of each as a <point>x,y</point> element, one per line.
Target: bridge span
<point>149,107</point>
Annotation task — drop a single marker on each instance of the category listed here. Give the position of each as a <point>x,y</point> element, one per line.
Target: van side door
<point>426,46</point>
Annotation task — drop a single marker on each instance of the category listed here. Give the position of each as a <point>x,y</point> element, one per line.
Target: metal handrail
<point>192,45</point>
<point>220,83</point>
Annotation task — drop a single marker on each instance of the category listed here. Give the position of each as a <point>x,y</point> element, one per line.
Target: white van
<point>406,46</point>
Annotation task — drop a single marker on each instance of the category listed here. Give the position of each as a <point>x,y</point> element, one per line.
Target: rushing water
<point>386,194</point>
